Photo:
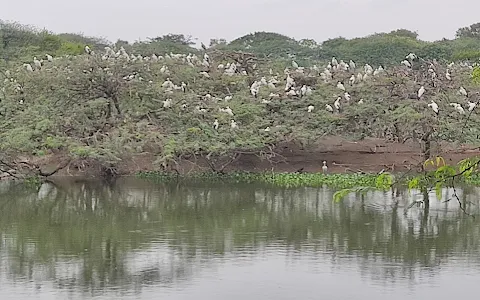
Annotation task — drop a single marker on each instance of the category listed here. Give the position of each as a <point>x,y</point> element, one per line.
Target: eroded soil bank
<point>342,156</point>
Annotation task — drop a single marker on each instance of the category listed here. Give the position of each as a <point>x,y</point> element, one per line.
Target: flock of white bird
<point>344,76</point>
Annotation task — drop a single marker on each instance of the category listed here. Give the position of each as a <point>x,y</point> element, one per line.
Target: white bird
<point>88,50</point>
<point>352,79</point>
<point>310,108</point>
<point>255,89</point>
<point>28,67</point>
<point>227,110</point>
<point>290,83</point>
<point>233,124</point>
<point>291,92</point>
<point>273,95</point>
<point>228,98</point>
<point>411,56</point>
<point>347,96</point>
<point>359,77</point>
<point>336,104</point>
<point>49,57</point>
<point>324,167</point>
<point>340,86</point>
<point>37,63</point>
<point>352,65</point>
<point>462,91</point>
<point>215,124</point>
<point>458,107</point>
<point>303,90</point>
<point>360,101</point>
<point>434,106</point>
<point>420,92</point>
<point>447,75</point>
<point>329,107</point>
<point>294,64</point>
<point>167,103</point>
<point>406,63</point>
<point>267,129</point>
<point>471,105</point>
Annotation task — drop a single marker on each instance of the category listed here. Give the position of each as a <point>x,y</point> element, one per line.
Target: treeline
<point>21,42</point>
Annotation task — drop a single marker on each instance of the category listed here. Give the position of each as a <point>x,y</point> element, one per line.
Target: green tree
<point>472,31</point>
<point>186,40</point>
<point>217,42</point>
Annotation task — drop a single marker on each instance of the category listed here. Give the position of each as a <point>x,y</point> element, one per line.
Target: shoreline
<point>369,156</point>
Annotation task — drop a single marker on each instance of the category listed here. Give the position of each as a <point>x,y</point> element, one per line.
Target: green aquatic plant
<point>287,180</point>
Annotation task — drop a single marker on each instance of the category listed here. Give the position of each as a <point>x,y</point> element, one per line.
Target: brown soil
<point>369,155</point>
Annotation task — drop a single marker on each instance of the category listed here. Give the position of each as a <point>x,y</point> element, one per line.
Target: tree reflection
<point>129,233</point>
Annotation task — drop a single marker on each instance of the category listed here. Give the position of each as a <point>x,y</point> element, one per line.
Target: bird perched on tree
<point>434,106</point>
<point>421,91</point>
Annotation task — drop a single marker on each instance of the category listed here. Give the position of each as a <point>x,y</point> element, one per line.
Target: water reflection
<point>136,239</point>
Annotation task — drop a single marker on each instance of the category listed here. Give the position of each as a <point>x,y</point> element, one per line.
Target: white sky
<point>230,19</point>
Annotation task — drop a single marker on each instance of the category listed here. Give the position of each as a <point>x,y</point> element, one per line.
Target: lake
<point>136,239</point>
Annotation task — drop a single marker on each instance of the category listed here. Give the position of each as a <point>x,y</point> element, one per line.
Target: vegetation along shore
<point>263,103</point>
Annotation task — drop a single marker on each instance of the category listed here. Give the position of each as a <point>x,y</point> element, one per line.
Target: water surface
<point>135,239</point>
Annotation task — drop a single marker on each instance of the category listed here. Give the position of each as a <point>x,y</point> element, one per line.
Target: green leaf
<point>438,190</point>
<point>339,195</point>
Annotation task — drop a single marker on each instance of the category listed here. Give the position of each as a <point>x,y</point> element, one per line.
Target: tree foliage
<point>472,31</point>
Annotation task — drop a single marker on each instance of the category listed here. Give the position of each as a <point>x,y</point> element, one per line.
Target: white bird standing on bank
<point>49,57</point>
<point>434,106</point>
<point>328,107</point>
<point>324,167</point>
<point>420,92</point>
<point>310,108</point>
<point>347,96</point>
<point>462,91</point>
<point>233,124</point>
<point>340,86</point>
<point>88,50</point>
<point>215,124</point>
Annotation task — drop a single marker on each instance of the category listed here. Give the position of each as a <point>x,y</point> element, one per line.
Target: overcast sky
<point>204,19</point>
